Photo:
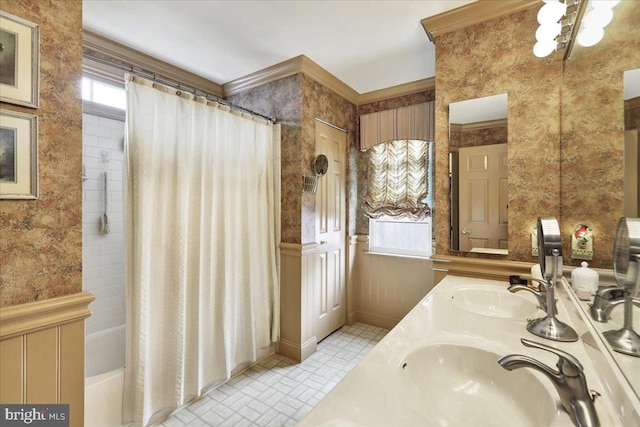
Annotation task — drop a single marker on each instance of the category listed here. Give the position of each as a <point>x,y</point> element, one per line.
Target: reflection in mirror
<point>478,171</point>
<point>631,150</point>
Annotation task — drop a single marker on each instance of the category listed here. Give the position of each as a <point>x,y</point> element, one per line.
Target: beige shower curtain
<point>202,226</point>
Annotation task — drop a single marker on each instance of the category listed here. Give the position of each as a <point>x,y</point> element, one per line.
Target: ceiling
<point>369,45</point>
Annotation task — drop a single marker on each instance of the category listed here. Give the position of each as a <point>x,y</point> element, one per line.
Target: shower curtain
<point>202,224</point>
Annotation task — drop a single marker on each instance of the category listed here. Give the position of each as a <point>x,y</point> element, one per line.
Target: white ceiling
<point>479,110</point>
<point>369,45</point>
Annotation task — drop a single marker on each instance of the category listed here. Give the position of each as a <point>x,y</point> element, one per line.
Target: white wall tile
<point>103,254</point>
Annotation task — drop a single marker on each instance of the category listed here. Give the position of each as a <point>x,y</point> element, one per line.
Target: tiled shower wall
<point>103,254</point>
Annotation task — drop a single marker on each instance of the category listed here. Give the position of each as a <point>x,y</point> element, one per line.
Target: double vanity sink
<point>439,367</point>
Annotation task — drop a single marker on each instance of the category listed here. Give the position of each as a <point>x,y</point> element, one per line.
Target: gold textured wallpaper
<point>490,58</point>
<point>565,124</point>
<point>41,240</point>
<point>476,137</point>
<point>592,131</point>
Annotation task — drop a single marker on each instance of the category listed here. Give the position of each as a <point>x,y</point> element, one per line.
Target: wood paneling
<point>42,366</point>
<point>385,288</point>
<point>42,353</point>
<point>71,359</point>
<point>12,370</point>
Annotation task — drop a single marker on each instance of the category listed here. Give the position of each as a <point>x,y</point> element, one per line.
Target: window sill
<point>425,257</point>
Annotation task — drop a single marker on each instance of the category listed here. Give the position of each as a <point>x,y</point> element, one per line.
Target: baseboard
<point>375,320</point>
<point>295,351</point>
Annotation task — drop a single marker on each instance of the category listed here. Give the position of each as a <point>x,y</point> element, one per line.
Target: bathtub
<point>104,377</point>
<point>103,399</point>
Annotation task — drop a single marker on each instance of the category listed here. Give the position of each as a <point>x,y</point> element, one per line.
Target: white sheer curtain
<point>202,221</point>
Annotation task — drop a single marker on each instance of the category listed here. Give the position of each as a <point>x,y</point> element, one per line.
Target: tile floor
<point>277,391</point>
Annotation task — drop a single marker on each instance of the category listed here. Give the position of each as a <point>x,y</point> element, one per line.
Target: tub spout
<point>569,381</point>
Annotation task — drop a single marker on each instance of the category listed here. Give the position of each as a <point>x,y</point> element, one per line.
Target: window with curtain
<point>397,199</point>
<point>399,176</point>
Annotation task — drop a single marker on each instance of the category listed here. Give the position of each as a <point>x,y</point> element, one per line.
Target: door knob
<point>323,242</point>
<point>466,231</point>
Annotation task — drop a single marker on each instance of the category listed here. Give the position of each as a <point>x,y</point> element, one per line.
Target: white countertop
<point>375,394</point>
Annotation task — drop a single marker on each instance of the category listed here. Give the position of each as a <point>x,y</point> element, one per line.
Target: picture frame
<point>19,61</point>
<point>18,155</point>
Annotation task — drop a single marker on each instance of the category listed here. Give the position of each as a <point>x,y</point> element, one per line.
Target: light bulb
<point>551,12</point>
<point>544,48</point>
<point>598,18</point>
<point>604,4</point>
<point>548,31</point>
<point>588,37</point>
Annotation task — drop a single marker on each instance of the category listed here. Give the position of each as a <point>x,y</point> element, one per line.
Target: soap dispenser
<point>584,281</point>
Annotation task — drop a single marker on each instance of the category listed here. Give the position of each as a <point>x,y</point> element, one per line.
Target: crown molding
<point>125,54</point>
<point>275,72</point>
<point>304,65</point>
<point>396,91</point>
<point>296,65</point>
<point>471,14</point>
<point>487,124</point>
<point>299,64</point>
<point>322,76</point>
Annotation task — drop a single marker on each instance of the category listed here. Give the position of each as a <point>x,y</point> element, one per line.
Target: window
<point>103,93</point>
<point>398,202</point>
<point>400,236</point>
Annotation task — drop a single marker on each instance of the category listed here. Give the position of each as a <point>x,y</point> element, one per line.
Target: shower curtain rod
<point>176,85</point>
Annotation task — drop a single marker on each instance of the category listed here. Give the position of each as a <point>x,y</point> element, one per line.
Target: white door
<point>330,231</point>
<point>483,198</point>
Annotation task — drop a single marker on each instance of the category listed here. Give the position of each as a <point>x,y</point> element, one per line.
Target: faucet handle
<point>611,293</point>
<point>567,363</point>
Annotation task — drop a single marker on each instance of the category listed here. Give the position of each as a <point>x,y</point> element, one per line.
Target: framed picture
<point>19,61</point>
<point>18,155</point>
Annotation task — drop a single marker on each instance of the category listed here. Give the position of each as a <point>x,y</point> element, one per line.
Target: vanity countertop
<point>379,392</point>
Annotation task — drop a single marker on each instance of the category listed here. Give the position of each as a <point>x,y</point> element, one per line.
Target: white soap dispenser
<point>584,281</point>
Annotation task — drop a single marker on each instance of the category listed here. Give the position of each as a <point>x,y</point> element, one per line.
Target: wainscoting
<point>42,353</point>
<point>382,289</point>
<point>297,284</point>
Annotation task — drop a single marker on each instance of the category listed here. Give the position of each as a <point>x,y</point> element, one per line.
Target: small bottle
<point>584,281</point>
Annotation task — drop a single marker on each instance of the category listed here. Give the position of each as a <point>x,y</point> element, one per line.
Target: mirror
<point>592,120</point>
<point>631,150</point>
<point>478,175</point>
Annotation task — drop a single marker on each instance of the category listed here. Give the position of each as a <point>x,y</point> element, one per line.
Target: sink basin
<point>493,302</point>
<point>617,318</point>
<point>453,385</point>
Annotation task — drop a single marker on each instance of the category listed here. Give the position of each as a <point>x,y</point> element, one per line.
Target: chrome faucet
<point>569,381</point>
<point>606,300</point>
<point>540,294</point>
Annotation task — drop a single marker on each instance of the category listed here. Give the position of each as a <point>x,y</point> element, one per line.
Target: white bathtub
<point>103,399</point>
<point>104,377</point>
<point>105,351</point>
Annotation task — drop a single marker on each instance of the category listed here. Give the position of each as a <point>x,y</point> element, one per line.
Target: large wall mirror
<point>631,149</point>
<point>592,101</point>
<point>478,171</point>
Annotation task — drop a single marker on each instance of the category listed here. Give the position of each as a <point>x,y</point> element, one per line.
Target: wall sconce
<point>559,22</point>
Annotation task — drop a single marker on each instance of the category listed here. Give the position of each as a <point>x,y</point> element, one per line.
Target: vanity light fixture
<point>597,16</point>
<point>559,22</point>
